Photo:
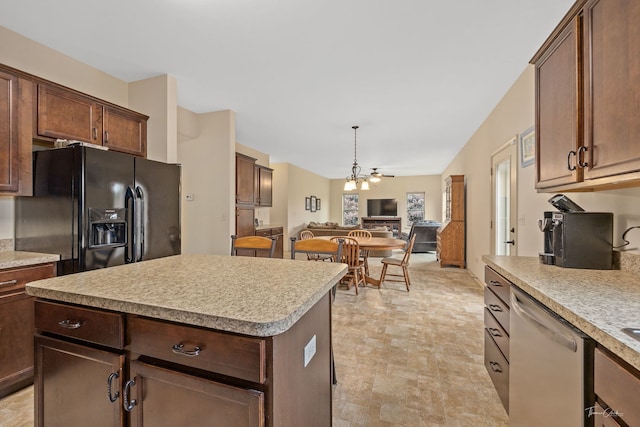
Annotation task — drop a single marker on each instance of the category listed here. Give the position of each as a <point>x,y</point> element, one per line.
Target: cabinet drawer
<point>264,233</point>
<point>498,284</point>
<point>86,324</point>
<point>497,307</point>
<point>277,231</point>
<point>498,369</point>
<point>496,331</point>
<point>13,280</point>
<point>213,351</point>
<point>618,387</point>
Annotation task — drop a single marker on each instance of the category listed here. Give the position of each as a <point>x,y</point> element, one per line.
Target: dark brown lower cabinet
<point>102,368</point>
<point>16,326</point>
<point>496,332</point>
<point>16,352</point>
<point>617,387</point>
<point>71,387</point>
<point>195,399</point>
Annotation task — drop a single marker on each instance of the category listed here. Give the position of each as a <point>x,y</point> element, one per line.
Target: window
<point>350,209</point>
<point>415,207</point>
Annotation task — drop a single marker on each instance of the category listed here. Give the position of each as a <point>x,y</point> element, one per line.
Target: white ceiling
<point>417,76</point>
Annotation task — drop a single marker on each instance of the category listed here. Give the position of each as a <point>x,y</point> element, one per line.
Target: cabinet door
<point>16,326</point>
<point>66,115</point>
<point>245,175</point>
<point>245,225</point>
<point>9,149</point>
<point>558,110</point>
<point>264,185</point>
<point>167,398</point>
<point>125,131</point>
<point>71,386</point>
<point>612,104</point>
<point>16,342</point>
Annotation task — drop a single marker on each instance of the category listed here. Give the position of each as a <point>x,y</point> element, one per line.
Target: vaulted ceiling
<point>417,76</point>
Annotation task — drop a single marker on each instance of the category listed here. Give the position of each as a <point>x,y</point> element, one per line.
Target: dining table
<point>373,243</point>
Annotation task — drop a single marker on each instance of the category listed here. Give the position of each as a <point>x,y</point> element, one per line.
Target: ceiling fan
<point>376,175</point>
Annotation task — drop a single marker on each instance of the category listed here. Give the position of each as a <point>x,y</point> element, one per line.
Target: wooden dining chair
<point>351,257</point>
<point>253,243</point>
<point>403,263</point>
<point>305,235</point>
<point>364,253</point>
<point>313,246</point>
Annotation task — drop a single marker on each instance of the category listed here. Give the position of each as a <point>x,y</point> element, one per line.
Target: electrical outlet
<point>309,350</point>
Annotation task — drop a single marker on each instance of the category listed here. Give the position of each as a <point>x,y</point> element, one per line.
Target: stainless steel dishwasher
<point>551,367</point>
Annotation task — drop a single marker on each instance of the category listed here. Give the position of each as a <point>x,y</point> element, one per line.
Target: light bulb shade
<point>365,185</point>
<point>374,179</point>
<point>349,185</point>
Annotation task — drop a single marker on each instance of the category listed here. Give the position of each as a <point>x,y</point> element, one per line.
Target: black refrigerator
<point>99,208</point>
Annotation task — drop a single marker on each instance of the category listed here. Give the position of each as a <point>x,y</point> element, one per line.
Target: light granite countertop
<point>253,296</point>
<point>12,259</point>
<point>598,302</point>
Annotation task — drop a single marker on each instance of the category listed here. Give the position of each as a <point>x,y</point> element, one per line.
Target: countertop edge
<point>265,329</point>
<point>617,342</point>
<point>15,259</point>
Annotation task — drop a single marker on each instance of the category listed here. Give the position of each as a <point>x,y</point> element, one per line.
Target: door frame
<point>507,150</point>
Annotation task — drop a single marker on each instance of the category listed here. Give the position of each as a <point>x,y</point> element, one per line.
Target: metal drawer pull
<point>495,282</point>
<point>112,397</point>
<point>495,366</point>
<point>9,282</point>
<point>495,332</point>
<point>70,324</point>
<point>495,307</point>
<point>126,404</point>
<point>179,349</point>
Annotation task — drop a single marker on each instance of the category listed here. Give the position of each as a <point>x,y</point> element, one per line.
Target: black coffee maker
<point>576,239</point>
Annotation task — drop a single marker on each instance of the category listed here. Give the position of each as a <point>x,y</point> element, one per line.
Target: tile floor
<point>402,358</point>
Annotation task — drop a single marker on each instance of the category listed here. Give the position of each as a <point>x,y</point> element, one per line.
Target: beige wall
<point>157,98</point>
<point>207,154</point>
<point>291,185</point>
<point>26,55</point>
<point>514,114</point>
<point>393,188</point>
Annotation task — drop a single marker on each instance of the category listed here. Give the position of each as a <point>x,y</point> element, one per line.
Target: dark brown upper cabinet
<point>65,114</point>
<point>587,99</point>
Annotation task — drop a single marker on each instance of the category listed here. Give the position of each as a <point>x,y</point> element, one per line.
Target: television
<point>382,207</point>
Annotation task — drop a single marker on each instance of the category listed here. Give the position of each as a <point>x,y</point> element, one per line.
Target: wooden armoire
<point>451,246</point>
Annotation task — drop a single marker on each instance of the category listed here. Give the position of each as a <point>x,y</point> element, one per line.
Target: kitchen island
<point>236,341</point>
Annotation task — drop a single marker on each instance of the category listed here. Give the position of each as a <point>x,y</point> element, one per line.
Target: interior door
<point>504,169</point>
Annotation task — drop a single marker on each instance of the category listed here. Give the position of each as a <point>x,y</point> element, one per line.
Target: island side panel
<point>302,396</point>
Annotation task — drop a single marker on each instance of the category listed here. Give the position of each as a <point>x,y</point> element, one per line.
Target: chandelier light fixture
<point>356,179</point>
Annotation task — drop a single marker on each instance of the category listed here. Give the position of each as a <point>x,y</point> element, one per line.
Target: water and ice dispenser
<point>107,227</point>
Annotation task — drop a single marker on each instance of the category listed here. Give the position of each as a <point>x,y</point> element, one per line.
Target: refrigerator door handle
<point>140,223</point>
<point>129,204</point>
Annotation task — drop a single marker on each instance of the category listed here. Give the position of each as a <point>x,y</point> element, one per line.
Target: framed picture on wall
<point>313,203</point>
<point>317,204</point>
<point>528,147</point>
<point>307,203</point>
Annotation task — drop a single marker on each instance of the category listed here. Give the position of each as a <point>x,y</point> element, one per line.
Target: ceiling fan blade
<point>378,174</point>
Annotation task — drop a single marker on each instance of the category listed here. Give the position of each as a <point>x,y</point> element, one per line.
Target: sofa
<point>333,229</point>
<point>425,232</point>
